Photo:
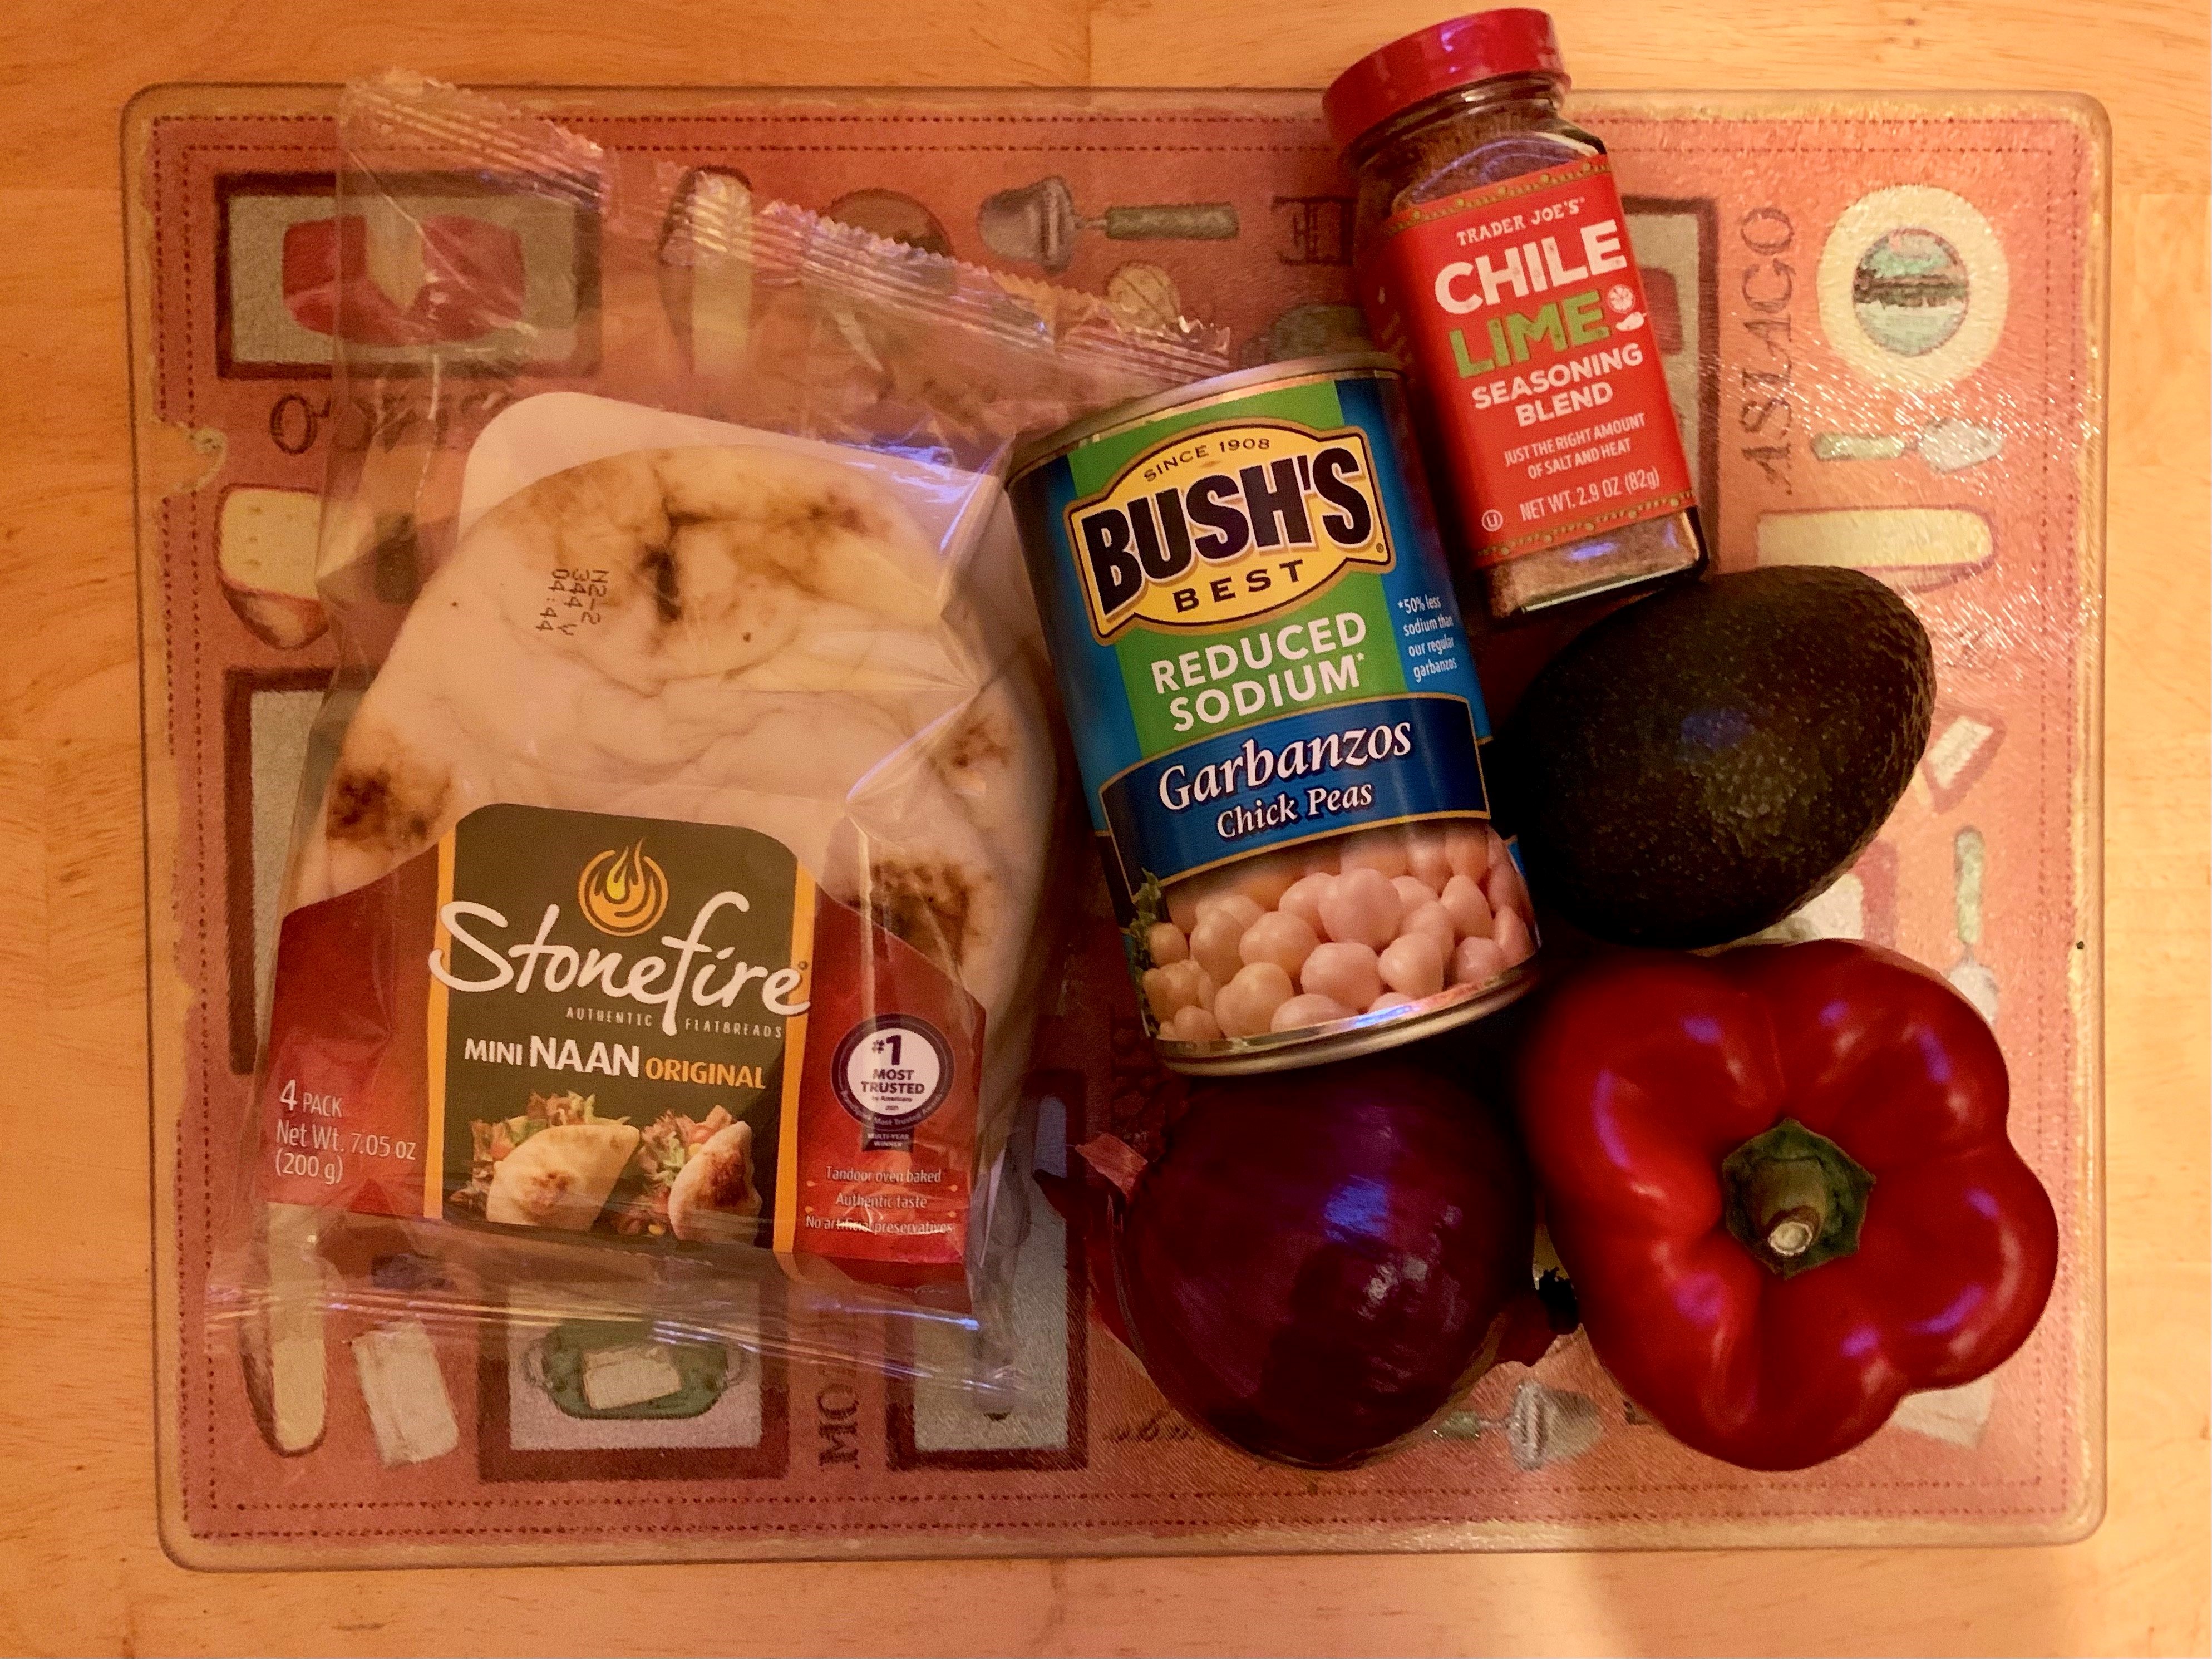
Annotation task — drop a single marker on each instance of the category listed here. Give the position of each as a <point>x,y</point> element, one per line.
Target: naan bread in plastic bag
<point>667,902</point>
<point>770,655</point>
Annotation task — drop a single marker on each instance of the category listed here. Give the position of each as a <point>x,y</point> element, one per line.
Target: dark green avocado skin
<point>1696,766</point>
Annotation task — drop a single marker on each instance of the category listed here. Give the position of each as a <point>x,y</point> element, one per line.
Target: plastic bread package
<point>675,862</point>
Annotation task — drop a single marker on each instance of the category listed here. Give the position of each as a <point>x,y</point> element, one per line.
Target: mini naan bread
<point>996,764</point>
<point>560,1177</point>
<point>777,648</point>
<point>713,1198</point>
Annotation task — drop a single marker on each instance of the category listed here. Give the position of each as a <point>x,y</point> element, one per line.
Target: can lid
<point>1457,52</point>
<point>1288,372</point>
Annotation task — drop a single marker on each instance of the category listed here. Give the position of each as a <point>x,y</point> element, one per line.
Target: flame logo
<point>622,891</point>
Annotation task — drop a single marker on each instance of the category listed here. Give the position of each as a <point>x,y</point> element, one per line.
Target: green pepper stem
<point>1794,1198</point>
<point>1789,1202</point>
<point>1793,1231</point>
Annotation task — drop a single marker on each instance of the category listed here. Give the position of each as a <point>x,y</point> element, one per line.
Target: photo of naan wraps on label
<point>695,1182</point>
<point>557,1163</point>
<point>552,1165</point>
<point>713,1199</point>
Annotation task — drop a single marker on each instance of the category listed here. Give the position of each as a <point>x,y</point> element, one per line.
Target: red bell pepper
<point>1779,1180</point>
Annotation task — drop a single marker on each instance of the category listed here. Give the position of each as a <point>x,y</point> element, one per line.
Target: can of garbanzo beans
<point>1277,718</point>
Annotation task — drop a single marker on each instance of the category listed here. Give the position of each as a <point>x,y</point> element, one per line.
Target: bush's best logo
<point>1223,523</point>
<point>622,891</point>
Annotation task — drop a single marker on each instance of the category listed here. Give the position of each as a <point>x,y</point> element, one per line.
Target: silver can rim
<point>1345,365</point>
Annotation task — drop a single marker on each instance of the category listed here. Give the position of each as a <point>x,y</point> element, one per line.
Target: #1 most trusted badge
<point>890,1072</point>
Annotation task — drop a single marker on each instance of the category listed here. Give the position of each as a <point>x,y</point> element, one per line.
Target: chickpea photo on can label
<point>1177,986</point>
<point>1265,879</point>
<point>1476,961</point>
<point>1412,892</point>
<point>1308,1009</point>
<point>1193,1025</point>
<point>1428,858</point>
<point>1214,941</point>
<point>1364,923</point>
<point>1242,906</point>
<point>1183,905</point>
<point>1466,848</point>
<point>1281,937</point>
<point>1160,989</point>
<point>1381,850</point>
<point>1412,963</point>
<point>1435,920</point>
<point>1191,895</point>
<point>1304,897</point>
<point>1503,886</point>
<point>1513,939</point>
<point>1164,943</point>
<point>1363,907</point>
<point>1350,972</point>
<point>1469,911</point>
<point>1247,1004</point>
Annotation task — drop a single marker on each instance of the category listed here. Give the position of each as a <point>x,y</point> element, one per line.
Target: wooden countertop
<point>81,1568</point>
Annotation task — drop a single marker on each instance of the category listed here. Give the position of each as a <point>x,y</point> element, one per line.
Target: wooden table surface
<point>80,1569</point>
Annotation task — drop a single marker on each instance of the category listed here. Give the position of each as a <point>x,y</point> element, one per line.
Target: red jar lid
<point>1517,41</point>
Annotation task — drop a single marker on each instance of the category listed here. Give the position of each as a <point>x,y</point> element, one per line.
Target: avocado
<point>1696,766</point>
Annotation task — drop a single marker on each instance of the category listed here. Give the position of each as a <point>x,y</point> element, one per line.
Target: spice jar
<point>1493,260</point>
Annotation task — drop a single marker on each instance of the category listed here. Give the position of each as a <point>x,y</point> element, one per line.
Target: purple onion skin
<point>1313,1266</point>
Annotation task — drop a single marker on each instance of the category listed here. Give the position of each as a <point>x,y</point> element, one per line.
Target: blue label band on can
<point>1256,639</point>
<point>1392,760</point>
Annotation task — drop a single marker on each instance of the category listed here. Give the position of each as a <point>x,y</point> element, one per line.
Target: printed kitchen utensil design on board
<point>1763,376</point>
<point>498,265</point>
<point>1038,224</point>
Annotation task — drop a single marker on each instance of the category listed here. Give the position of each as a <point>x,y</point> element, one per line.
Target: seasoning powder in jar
<point>1493,261</point>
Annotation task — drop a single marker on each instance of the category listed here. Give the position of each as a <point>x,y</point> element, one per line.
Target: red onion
<point>1321,1261</point>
